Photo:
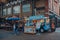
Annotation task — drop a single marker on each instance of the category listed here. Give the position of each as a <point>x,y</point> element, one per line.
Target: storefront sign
<point>26,8</point>
<point>16,9</point>
<point>9,11</point>
<point>4,11</point>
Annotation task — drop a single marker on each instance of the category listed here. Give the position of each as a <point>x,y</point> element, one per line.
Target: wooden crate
<point>29,30</point>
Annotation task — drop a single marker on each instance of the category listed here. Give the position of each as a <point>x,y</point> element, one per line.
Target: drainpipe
<point>21,9</point>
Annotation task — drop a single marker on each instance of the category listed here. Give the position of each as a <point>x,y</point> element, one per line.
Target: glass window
<point>16,9</point>
<point>9,10</point>
<point>4,11</point>
<point>26,8</point>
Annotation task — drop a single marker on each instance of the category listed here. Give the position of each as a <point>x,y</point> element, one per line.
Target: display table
<point>29,30</point>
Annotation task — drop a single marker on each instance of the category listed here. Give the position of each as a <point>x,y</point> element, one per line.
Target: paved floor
<point>6,35</point>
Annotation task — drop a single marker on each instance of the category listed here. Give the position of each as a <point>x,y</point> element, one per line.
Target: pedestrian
<point>42,27</point>
<point>38,24</point>
<point>15,27</point>
<point>21,26</point>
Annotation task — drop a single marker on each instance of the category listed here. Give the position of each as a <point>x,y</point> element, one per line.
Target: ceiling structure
<point>3,2</point>
<point>6,1</point>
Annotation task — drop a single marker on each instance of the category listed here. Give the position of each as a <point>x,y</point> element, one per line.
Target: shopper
<point>23,26</point>
<point>15,27</point>
<point>38,24</point>
<point>42,27</point>
<point>15,23</point>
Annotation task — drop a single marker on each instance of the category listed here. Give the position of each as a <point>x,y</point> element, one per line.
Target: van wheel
<point>49,30</point>
<point>53,30</point>
<point>42,30</point>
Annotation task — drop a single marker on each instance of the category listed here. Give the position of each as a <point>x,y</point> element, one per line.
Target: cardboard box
<point>29,29</point>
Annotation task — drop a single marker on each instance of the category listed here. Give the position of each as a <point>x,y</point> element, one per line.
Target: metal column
<point>1,9</point>
<point>33,7</point>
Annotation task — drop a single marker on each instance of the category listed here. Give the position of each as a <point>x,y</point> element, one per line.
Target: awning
<point>36,17</point>
<point>11,18</point>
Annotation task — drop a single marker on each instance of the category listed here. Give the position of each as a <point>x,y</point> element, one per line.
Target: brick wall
<point>38,4</point>
<point>54,6</point>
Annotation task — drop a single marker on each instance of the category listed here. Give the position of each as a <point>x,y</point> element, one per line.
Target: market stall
<point>30,26</point>
<point>12,20</point>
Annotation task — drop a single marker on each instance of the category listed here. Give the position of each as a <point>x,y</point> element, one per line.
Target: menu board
<point>9,11</point>
<point>16,9</point>
<point>4,11</point>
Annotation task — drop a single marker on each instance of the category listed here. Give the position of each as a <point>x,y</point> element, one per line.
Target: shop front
<point>58,21</point>
<point>53,21</point>
<point>30,25</point>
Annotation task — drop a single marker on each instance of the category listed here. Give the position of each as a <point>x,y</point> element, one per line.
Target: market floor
<point>7,35</point>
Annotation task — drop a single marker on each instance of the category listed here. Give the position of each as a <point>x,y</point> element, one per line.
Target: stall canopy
<point>36,17</point>
<point>12,18</point>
